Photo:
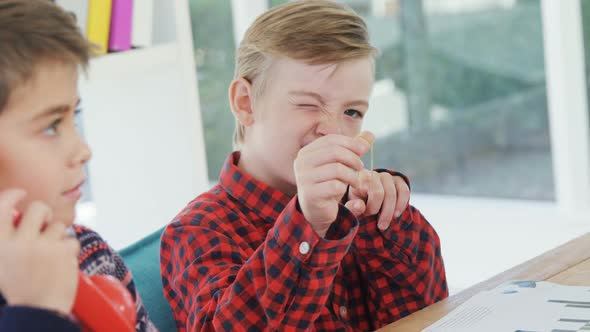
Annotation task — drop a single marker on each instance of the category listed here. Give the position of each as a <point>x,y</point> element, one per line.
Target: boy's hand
<point>37,268</point>
<point>323,171</point>
<point>379,193</point>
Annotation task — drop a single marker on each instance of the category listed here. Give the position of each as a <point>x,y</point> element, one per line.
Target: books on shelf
<point>143,15</point>
<point>120,32</point>
<point>99,23</point>
<point>114,25</point>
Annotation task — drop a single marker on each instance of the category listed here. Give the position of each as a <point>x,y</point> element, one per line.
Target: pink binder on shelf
<point>121,22</point>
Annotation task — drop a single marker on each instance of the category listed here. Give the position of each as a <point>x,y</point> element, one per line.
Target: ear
<point>240,101</point>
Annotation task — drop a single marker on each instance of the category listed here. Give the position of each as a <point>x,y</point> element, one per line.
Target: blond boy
<point>298,235</point>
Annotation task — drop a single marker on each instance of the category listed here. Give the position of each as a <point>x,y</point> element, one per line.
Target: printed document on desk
<point>521,306</point>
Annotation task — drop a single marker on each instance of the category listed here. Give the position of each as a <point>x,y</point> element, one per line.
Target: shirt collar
<point>264,200</point>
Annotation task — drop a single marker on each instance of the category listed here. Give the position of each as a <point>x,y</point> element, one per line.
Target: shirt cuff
<point>21,318</point>
<point>395,173</point>
<point>393,242</point>
<point>294,233</point>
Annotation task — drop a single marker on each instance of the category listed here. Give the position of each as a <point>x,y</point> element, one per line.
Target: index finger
<point>403,194</point>
<point>8,201</point>
<point>34,219</point>
<point>366,137</point>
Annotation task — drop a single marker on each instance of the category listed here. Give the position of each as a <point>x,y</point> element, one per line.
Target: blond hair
<point>34,31</point>
<point>313,31</point>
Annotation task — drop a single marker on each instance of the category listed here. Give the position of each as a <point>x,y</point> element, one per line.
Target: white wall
<point>483,237</point>
<point>142,120</point>
<point>142,135</point>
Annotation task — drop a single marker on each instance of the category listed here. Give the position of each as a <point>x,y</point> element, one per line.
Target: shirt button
<point>304,248</point>
<point>343,312</point>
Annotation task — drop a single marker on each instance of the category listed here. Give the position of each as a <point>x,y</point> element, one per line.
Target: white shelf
<point>142,120</point>
<point>137,60</point>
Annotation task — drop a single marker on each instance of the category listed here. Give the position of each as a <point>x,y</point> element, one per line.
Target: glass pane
<point>586,36</point>
<point>459,102</point>
<point>272,3</point>
<point>214,56</point>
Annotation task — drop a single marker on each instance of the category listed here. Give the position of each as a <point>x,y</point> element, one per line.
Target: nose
<point>81,152</point>
<point>329,124</point>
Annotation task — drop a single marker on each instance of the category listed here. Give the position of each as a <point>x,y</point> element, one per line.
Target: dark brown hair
<point>34,32</point>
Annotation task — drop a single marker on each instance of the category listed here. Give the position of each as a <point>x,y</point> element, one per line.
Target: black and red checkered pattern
<point>241,257</point>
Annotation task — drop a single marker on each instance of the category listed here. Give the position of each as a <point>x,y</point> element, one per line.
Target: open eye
<point>51,130</point>
<point>77,118</point>
<point>353,113</point>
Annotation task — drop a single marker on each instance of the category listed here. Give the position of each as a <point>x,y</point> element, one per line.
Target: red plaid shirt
<point>241,257</point>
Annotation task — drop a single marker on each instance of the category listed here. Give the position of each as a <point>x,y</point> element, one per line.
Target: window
<point>461,87</point>
<point>586,35</point>
<point>214,57</point>
<point>459,102</point>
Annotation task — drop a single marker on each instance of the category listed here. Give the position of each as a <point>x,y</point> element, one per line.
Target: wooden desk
<point>568,264</point>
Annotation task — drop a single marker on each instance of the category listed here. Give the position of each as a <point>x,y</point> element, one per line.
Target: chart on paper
<point>521,306</point>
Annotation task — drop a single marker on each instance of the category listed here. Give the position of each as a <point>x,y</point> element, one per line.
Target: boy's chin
<point>66,217</point>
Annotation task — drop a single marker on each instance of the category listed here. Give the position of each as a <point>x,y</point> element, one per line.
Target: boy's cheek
<point>62,211</point>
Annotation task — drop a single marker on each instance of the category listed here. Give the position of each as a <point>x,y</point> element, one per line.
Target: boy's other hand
<point>38,267</point>
<point>380,193</point>
<point>323,171</point>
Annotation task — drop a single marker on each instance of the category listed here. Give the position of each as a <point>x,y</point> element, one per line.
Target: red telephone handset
<point>102,303</point>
